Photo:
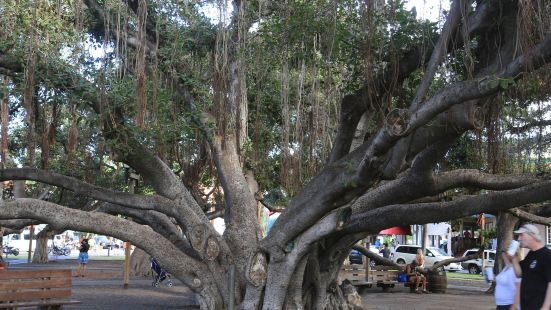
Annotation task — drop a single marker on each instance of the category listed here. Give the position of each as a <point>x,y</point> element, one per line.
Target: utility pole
<point>31,236</point>
<point>132,182</point>
<point>482,224</point>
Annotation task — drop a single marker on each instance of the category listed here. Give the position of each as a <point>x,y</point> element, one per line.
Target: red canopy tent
<point>398,230</point>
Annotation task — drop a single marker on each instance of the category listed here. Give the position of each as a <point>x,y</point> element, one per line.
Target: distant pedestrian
<point>507,283</point>
<point>385,250</point>
<point>83,258</point>
<point>535,286</point>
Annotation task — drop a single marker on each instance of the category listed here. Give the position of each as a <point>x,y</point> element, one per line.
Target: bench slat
<point>31,295</point>
<point>39,303</point>
<point>29,274</point>
<point>36,283</point>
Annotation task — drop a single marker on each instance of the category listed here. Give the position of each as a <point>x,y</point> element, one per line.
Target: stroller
<point>159,274</point>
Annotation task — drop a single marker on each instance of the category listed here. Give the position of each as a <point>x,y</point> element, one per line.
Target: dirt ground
<point>103,289</point>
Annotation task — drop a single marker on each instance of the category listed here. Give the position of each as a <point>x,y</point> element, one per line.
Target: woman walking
<point>507,283</point>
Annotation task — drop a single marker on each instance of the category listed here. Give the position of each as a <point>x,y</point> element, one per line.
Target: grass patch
<point>464,276</point>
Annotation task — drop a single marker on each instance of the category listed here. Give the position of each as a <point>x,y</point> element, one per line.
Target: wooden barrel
<point>437,281</point>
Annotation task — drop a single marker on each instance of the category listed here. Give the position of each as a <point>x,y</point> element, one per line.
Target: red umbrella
<point>398,230</point>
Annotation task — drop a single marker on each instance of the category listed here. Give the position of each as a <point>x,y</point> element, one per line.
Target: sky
<point>428,9</point>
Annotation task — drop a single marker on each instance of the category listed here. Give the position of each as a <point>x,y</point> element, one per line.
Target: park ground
<point>103,289</point>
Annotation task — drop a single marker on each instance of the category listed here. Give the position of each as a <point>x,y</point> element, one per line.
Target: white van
<point>21,240</point>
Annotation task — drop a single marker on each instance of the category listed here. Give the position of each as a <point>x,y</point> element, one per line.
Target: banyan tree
<point>368,115</point>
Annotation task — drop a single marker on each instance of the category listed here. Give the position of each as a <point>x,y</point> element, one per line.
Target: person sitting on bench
<point>416,277</point>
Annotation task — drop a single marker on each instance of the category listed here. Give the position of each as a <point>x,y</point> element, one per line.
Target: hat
<point>529,229</point>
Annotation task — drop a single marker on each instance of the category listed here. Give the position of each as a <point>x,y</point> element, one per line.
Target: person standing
<point>507,283</point>
<point>83,258</point>
<point>535,286</point>
<point>385,250</point>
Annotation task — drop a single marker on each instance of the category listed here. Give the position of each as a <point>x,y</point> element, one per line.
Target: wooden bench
<point>44,289</point>
<point>384,277</point>
<point>362,277</point>
<point>356,274</point>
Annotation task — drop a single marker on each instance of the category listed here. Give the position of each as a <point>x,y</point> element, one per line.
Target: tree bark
<point>41,251</point>
<point>505,225</point>
<point>140,263</point>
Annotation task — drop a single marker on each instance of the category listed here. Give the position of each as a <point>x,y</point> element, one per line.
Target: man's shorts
<point>83,258</point>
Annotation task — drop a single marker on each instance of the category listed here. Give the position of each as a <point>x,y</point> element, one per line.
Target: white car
<point>405,254</point>
<point>475,265</point>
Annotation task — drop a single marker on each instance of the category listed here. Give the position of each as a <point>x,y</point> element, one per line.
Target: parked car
<point>104,242</point>
<point>475,265</point>
<point>355,257</point>
<point>405,254</point>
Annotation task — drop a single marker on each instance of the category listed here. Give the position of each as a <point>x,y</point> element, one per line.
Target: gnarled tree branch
<point>527,216</point>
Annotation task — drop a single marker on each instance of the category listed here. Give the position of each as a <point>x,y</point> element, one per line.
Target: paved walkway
<point>103,289</point>
<point>140,295</point>
<point>402,299</point>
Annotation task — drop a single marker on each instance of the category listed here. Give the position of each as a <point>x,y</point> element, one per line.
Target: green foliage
<point>329,48</point>
<point>465,153</point>
<point>277,197</point>
<point>490,234</point>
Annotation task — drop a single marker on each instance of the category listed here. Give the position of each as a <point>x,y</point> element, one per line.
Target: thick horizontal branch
<point>412,184</point>
<point>475,178</point>
<point>17,224</point>
<point>159,222</point>
<point>151,202</point>
<point>393,215</point>
<point>153,243</point>
<point>527,216</point>
<point>377,258</point>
